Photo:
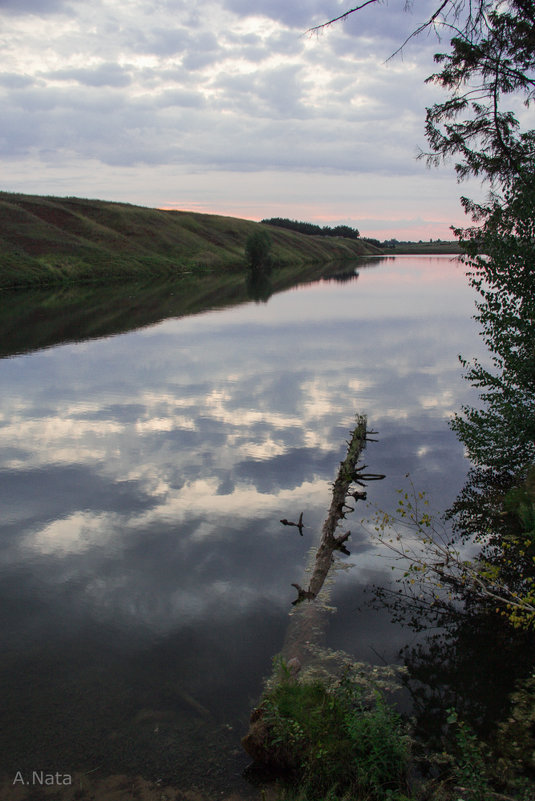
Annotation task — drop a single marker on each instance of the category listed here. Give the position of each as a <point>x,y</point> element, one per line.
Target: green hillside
<point>47,240</point>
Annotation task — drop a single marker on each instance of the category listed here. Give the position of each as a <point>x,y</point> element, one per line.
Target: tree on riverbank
<point>490,63</point>
<point>487,70</point>
<point>257,250</point>
<point>491,58</point>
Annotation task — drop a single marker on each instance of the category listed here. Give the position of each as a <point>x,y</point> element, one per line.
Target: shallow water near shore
<point>145,576</point>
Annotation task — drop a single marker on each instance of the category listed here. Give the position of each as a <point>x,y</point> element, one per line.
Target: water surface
<point>145,577</point>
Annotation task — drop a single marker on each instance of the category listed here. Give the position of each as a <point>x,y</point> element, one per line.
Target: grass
<point>335,742</point>
<point>339,740</point>
<point>47,240</point>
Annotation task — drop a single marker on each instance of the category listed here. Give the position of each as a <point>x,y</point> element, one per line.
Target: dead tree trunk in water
<point>329,543</point>
<point>306,622</point>
<point>305,626</point>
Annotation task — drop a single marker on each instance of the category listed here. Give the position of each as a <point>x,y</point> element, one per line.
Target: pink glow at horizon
<point>420,231</point>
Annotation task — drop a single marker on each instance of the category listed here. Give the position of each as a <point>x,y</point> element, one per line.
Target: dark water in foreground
<point>144,575</point>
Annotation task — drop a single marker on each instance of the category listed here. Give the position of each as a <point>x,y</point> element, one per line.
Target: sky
<point>226,107</point>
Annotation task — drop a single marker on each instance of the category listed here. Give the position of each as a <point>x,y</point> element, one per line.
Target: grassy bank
<point>47,240</point>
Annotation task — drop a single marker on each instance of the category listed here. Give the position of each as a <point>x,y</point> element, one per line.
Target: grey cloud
<point>13,80</point>
<point>254,54</point>
<point>275,92</point>
<point>178,127</point>
<point>109,74</point>
<point>198,59</point>
<point>153,78</point>
<point>206,40</point>
<point>282,89</point>
<point>389,26</point>
<point>174,41</point>
<point>181,98</point>
<point>254,48</point>
<point>381,29</point>
<point>251,47</point>
<point>20,7</point>
<point>72,100</point>
<point>286,42</point>
<point>390,23</point>
<point>298,14</point>
<point>268,121</point>
<point>243,40</point>
<point>164,41</point>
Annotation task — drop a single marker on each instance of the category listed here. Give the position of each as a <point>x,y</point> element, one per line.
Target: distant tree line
<point>344,231</point>
<point>392,244</point>
<point>311,229</point>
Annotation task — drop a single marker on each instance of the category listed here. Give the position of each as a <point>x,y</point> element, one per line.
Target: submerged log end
<point>257,744</point>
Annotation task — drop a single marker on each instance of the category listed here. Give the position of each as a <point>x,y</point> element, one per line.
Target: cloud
<point>12,80</point>
<point>107,74</point>
<point>272,93</point>
<point>378,24</point>
<point>298,14</point>
<point>21,7</point>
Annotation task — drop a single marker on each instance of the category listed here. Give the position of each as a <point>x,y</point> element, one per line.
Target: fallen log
<point>307,619</point>
<point>330,542</point>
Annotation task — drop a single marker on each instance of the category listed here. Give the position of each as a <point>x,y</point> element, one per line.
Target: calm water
<point>144,575</point>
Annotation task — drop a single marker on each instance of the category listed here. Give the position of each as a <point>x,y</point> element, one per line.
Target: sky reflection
<point>143,477</point>
<point>236,415</point>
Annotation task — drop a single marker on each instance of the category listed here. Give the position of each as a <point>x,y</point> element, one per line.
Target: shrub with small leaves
<point>257,250</point>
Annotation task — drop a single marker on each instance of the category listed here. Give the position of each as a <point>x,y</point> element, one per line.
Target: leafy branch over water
<point>436,571</point>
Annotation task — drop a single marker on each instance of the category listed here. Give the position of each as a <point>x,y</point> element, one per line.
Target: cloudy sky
<point>225,107</point>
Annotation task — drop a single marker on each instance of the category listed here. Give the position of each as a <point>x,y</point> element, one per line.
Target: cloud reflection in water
<point>142,480</point>
<point>214,426</point>
<point>143,476</point>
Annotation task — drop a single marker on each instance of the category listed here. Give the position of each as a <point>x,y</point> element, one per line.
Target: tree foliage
<point>311,229</point>
<point>501,434</point>
<point>257,250</point>
<point>437,571</point>
<point>490,59</point>
<point>496,508</point>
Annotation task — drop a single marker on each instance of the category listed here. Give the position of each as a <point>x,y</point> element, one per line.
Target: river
<point>145,576</point>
